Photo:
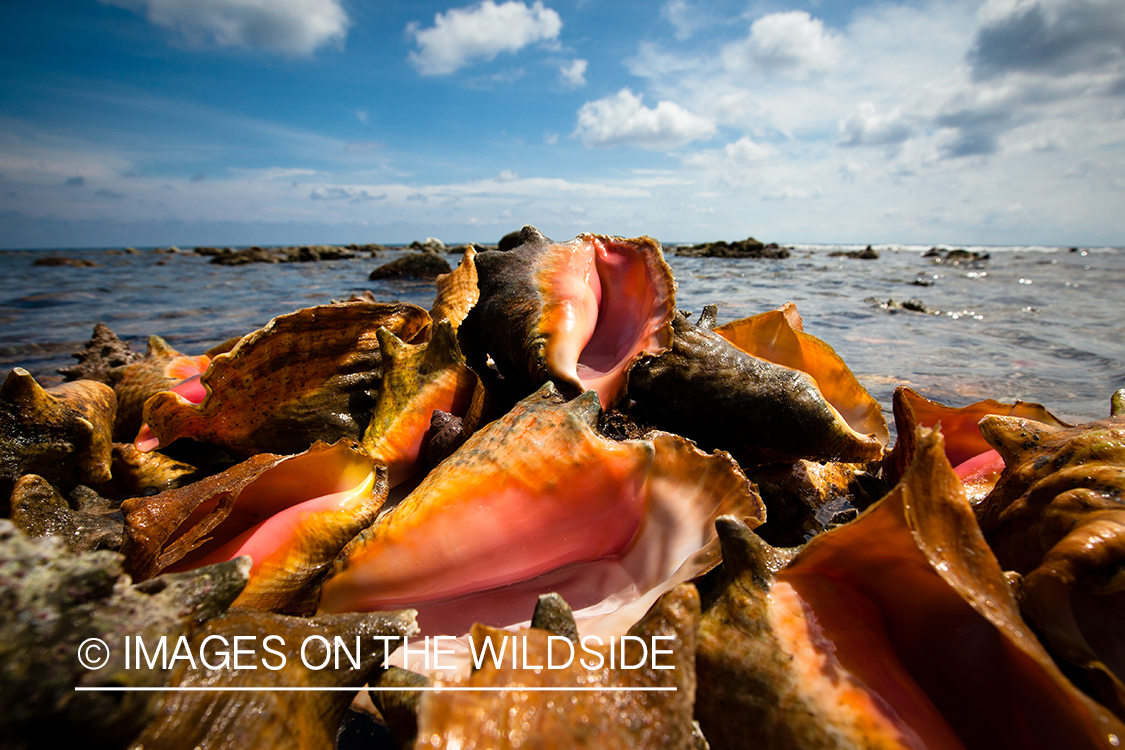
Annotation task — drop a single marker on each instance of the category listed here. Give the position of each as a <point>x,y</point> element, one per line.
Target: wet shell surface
<point>1057,516</point>
<point>576,312</point>
<point>161,369</point>
<point>304,377</point>
<point>539,501</point>
<point>290,514</point>
<point>709,390</point>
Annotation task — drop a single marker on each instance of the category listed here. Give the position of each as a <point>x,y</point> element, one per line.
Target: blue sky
<point>155,122</point>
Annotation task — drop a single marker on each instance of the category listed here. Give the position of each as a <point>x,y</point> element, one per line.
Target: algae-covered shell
<point>304,377</point>
<point>63,434</point>
<point>576,312</point>
<point>536,501</point>
<point>709,390</point>
<point>291,514</point>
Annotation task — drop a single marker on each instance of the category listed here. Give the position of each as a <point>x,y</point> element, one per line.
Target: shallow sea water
<point>1038,324</point>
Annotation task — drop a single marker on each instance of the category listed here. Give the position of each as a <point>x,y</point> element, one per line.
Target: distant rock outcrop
<point>423,265</point>
<point>55,260</point>
<point>747,248</point>
<point>868,253</point>
<point>957,257</point>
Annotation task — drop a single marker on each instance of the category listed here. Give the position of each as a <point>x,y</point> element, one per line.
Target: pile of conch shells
<point>555,453</point>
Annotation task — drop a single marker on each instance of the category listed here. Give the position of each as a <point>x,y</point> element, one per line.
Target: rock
<point>428,245</point>
<point>310,253</point>
<point>103,352</point>
<point>957,257</point>
<point>424,265</point>
<point>247,255</point>
<point>370,247</point>
<point>868,253</point>
<point>132,251</point>
<point>211,250</point>
<point>55,260</point>
<point>893,306</point>
<point>747,248</point>
<point>509,241</point>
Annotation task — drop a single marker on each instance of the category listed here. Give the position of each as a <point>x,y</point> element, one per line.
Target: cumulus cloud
<point>685,19</point>
<point>622,119</point>
<point>1054,37</point>
<point>573,74</point>
<point>792,42</point>
<point>866,126</point>
<point>480,32</point>
<point>296,27</point>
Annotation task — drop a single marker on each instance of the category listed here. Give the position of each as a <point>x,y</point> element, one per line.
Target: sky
<point>283,122</point>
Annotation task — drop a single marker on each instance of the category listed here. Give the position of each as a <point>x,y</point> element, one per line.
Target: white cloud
<point>744,151</point>
<point>685,19</point>
<point>792,42</point>
<point>296,27</point>
<point>622,119</point>
<point>480,32</point>
<point>573,74</point>
<point>866,126</point>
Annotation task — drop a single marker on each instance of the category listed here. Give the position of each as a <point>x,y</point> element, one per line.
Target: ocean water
<point>1040,324</point>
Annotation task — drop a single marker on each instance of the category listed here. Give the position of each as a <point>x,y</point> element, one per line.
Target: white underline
<point>434,689</point>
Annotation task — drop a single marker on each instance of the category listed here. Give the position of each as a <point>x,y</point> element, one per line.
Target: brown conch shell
<point>307,715</point>
<point>896,630</point>
<point>417,381</point>
<point>967,449</point>
<point>778,336</point>
<point>39,510</point>
<point>160,369</point>
<point>576,312</point>
<point>657,716</point>
<point>709,390</point>
<point>457,291</point>
<point>291,514</point>
<point>303,377</point>
<point>63,434</point>
<point>1057,516</point>
<point>137,473</point>
<point>540,501</point>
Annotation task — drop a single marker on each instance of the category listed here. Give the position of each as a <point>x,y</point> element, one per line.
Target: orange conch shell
<point>538,500</point>
<point>417,380</point>
<point>897,629</point>
<point>160,369</point>
<point>303,377</point>
<point>291,514</point>
<point>457,291</point>
<point>778,336</point>
<point>964,443</point>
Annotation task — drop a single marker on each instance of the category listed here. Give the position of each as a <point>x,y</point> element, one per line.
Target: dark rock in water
<point>924,281</point>
<point>211,251</point>
<point>424,265</point>
<point>312,253</point>
<point>510,241</point>
<point>370,247</point>
<point>103,352</point>
<point>916,305</point>
<point>428,245</point>
<point>747,248</point>
<point>246,255</point>
<point>868,253</point>
<point>957,257</point>
<point>892,306</point>
<point>55,260</point>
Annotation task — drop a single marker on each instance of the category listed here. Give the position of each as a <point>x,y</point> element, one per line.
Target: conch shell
<point>896,630</point>
<point>291,514</point>
<point>657,716</point>
<point>539,501</point>
<point>778,336</point>
<point>63,434</point>
<point>576,312</point>
<point>971,455</point>
<point>303,377</point>
<point>709,390</point>
<point>1057,516</point>
<point>161,369</point>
